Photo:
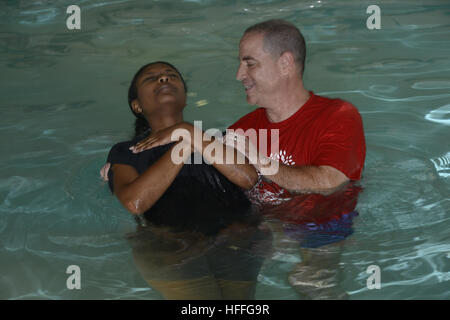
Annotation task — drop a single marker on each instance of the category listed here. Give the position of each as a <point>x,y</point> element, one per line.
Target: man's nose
<point>240,73</point>
<point>163,78</point>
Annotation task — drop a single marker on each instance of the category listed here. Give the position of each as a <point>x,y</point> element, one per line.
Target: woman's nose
<point>163,78</point>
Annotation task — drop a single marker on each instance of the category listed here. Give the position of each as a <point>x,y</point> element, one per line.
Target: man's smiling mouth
<point>247,87</point>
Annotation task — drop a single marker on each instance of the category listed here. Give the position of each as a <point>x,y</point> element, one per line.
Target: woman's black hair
<point>141,125</point>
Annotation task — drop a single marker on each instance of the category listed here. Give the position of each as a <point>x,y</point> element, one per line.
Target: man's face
<point>258,70</point>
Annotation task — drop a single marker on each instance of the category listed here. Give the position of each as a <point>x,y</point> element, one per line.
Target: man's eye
<point>173,76</point>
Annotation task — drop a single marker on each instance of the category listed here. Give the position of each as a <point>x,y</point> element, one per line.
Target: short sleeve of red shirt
<point>341,142</point>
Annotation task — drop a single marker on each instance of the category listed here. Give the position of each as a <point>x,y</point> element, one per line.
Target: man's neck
<point>288,105</point>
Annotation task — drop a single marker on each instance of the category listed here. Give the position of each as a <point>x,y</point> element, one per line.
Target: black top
<point>200,198</point>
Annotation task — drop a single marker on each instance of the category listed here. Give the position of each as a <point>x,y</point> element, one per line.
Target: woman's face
<point>160,90</point>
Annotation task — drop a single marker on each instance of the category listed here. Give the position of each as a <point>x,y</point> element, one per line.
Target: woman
<point>188,203</point>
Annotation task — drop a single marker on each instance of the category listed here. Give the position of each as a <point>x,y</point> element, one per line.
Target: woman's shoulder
<point>121,153</point>
<point>124,146</point>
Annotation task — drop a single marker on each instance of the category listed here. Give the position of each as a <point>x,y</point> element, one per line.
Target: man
<point>321,140</point>
<point>321,151</point>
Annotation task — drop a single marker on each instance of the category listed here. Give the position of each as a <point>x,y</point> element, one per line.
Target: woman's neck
<point>163,122</point>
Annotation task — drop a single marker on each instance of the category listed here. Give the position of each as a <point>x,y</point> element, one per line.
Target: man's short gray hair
<point>281,36</point>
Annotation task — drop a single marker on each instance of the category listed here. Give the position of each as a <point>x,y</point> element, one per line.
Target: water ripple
<point>368,94</point>
<point>440,115</point>
<point>39,16</point>
<point>431,84</point>
<point>442,165</point>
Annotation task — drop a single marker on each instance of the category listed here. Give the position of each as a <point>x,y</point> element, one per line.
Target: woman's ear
<point>136,106</point>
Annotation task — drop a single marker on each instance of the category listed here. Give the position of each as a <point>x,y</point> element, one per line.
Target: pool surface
<point>63,105</point>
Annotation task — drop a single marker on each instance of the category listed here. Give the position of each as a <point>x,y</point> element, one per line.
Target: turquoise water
<point>63,104</point>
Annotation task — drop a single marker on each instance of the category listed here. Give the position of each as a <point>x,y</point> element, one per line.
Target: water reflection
<point>187,264</point>
<point>193,265</point>
<point>319,224</point>
<point>318,276</point>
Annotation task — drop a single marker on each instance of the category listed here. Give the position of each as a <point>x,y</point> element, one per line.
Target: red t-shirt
<point>323,131</point>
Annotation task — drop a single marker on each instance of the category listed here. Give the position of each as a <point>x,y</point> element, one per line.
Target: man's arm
<point>338,155</point>
<point>307,179</point>
<point>300,179</point>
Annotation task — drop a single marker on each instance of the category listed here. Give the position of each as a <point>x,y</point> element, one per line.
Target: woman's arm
<point>240,173</point>
<point>138,193</point>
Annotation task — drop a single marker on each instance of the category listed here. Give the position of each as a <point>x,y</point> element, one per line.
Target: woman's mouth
<point>165,87</point>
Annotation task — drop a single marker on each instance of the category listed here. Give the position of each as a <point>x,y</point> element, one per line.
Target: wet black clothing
<point>199,199</point>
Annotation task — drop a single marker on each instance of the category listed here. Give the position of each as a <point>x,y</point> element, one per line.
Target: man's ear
<point>136,106</point>
<point>287,62</point>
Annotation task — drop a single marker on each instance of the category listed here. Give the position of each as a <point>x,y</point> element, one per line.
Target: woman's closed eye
<point>156,77</point>
<point>151,78</point>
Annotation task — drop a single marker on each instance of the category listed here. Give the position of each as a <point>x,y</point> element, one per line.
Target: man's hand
<point>104,171</point>
<point>160,138</point>
<point>248,148</point>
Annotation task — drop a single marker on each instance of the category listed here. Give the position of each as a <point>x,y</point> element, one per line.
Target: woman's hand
<point>162,137</point>
<point>243,144</point>
<point>104,171</point>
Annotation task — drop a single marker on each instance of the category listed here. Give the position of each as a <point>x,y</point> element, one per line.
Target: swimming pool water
<point>63,105</point>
